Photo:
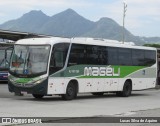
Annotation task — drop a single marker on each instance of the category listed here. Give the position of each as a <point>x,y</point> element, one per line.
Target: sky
<point>142,16</point>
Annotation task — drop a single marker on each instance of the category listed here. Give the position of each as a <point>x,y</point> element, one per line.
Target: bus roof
<point>42,41</point>
<point>78,40</point>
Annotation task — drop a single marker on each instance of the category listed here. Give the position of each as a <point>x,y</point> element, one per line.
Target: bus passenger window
<point>150,57</point>
<point>124,57</point>
<point>96,55</point>
<point>112,56</point>
<point>77,55</point>
<point>138,57</point>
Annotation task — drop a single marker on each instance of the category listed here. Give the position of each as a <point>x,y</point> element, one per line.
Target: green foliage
<point>152,45</point>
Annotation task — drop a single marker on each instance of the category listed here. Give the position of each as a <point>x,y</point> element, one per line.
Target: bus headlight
<point>39,81</point>
<point>11,80</point>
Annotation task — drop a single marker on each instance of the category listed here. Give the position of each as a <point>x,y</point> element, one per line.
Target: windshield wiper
<point>26,63</point>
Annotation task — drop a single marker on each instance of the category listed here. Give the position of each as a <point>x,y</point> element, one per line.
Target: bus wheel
<point>38,96</point>
<point>127,89</point>
<point>71,92</point>
<point>98,93</point>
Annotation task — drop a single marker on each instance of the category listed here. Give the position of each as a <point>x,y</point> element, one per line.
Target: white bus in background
<point>66,67</point>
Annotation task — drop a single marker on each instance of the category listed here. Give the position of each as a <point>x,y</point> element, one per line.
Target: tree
<point>152,45</point>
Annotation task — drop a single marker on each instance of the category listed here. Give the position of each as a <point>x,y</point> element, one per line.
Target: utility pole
<point>124,14</point>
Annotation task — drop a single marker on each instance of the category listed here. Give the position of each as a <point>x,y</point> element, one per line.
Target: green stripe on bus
<point>124,71</point>
<point>78,71</point>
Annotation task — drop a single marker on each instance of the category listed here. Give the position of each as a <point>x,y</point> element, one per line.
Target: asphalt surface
<point>141,104</point>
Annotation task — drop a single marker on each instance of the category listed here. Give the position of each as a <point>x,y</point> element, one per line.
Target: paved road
<point>85,105</point>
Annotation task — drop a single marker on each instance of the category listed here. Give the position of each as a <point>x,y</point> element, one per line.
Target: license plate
<point>23,92</point>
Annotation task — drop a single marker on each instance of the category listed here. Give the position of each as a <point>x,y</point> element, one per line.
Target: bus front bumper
<point>36,89</point>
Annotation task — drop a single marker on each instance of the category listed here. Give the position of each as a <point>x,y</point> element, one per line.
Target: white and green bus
<point>68,66</point>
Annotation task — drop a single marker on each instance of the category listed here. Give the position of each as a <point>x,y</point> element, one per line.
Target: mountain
<point>29,22</point>
<point>67,24</point>
<point>108,28</point>
<point>70,24</point>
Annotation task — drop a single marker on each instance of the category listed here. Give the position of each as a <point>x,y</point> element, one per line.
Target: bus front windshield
<point>29,60</point>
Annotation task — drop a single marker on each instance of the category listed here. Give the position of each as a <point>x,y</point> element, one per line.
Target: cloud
<point>50,7</point>
<point>140,15</point>
<point>145,14</point>
<point>44,3</point>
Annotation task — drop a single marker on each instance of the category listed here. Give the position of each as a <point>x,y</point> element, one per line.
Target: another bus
<point>66,67</point>
<point>5,55</point>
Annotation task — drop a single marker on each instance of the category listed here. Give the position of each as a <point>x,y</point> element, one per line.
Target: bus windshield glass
<point>2,57</point>
<point>29,60</point>
<point>5,55</point>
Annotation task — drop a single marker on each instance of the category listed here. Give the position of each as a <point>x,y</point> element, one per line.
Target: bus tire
<point>98,93</point>
<point>38,96</point>
<point>127,89</point>
<point>71,92</point>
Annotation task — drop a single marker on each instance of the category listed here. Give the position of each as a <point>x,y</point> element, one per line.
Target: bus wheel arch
<point>71,90</point>
<point>127,89</point>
